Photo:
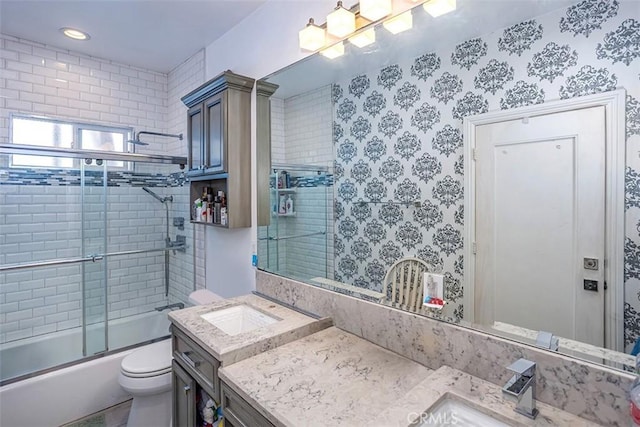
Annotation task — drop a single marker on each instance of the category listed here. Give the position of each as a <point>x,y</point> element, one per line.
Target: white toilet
<point>146,375</point>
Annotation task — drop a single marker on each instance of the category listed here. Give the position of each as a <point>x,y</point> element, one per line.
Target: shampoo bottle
<point>289,205</point>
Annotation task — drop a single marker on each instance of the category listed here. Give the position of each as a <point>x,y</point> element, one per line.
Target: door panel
<point>215,134</point>
<point>540,211</point>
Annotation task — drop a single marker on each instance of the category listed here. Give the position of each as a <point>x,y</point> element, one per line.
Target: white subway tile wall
<point>184,268</point>
<point>43,80</point>
<point>302,134</point>
<point>44,222</point>
<point>308,128</point>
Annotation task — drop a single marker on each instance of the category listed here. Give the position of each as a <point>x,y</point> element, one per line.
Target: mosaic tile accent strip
<point>73,177</point>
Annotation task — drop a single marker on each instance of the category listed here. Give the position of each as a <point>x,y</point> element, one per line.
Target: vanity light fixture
<point>375,9</point>
<point>400,23</point>
<point>363,39</point>
<point>74,33</point>
<point>436,8</point>
<point>341,22</point>
<point>311,37</point>
<point>334,51</point>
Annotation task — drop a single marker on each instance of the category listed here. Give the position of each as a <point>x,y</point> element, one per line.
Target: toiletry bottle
<point>282,207</point>
<point>204,211</point>
<point>223,216</point>
<point>217,206</point>
<point>198,216</point>
<point>289,205</point>
<point>634,395</point>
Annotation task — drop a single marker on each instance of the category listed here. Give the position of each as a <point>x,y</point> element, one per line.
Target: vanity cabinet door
<point>184,397</point>
<point>197,363</point>
<point>237,412</point>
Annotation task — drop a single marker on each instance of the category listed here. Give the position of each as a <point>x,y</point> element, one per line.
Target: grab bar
<point>90,258</point>
<point>11,267</point>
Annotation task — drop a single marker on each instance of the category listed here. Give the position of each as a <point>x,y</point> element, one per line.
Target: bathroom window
<point>50,133</point>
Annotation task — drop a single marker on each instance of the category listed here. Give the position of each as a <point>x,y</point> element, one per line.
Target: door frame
<point>614,103</point>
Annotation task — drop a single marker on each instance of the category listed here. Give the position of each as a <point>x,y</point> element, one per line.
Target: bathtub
<point>70,393</point>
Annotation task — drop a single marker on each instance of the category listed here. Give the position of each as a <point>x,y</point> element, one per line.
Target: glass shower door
<point>46,211</point>
<point>295,244</point>
<point>94,244</point>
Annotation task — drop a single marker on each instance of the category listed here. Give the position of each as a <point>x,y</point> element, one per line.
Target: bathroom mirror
<point>371,165</point>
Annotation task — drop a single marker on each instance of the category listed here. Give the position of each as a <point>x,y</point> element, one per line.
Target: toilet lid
<point>152,359</point>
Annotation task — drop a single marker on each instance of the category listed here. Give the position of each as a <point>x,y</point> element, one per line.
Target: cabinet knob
<point>187,389</point>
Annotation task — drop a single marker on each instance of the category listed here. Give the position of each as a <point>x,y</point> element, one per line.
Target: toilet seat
<point>149,361</point>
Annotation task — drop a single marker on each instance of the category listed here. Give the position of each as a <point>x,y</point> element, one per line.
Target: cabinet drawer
<point>202,366</point>
<point>237,412</point>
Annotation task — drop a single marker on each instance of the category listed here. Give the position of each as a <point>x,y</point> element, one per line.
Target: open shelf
<point>283,214</point>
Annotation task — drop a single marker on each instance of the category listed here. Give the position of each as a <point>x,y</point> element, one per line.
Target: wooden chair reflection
<point>403,284</point>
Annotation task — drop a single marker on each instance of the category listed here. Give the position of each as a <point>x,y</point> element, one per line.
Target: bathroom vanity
<point>299,370</point>
<point>246,326</point>
<point>336,378</point>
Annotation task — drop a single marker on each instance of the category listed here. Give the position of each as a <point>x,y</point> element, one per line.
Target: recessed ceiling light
<point>75,33</point>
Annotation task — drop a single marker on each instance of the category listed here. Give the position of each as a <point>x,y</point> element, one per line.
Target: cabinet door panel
<point>214,146</point>
<point>184,398</point>
<point>196,137</point>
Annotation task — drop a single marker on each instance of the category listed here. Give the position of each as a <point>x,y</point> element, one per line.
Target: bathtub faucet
<point>178,305</point>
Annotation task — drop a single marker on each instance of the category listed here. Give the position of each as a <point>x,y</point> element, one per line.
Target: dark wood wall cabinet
<point>219,144</point>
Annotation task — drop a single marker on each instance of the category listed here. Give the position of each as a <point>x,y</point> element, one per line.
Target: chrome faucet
<point>521,388</point>
<point>547,340</point>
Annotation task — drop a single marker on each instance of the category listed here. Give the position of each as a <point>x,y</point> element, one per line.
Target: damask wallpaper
<point>398,137</point>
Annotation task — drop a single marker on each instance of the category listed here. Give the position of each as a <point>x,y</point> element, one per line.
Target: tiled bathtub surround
<point>593,392</point>
<point>42,80</point>
<point>398,136</point>
<point>43,220</point>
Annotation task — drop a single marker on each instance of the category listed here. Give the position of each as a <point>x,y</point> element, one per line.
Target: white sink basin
<point>238,319</point>
<point>452,411</point>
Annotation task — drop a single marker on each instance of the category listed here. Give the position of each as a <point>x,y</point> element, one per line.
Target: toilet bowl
<point>146,375</point>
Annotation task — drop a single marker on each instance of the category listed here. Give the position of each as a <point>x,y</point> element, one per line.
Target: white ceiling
<point>153,34</point>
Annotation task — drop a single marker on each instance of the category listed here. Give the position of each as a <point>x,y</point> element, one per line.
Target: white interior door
<point>540,211</point>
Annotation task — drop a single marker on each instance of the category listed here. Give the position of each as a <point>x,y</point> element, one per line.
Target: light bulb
<point>311,37</point>
<point>363,39</point>
<point>333,51</point>
<point>375,9</point>
<point>436,8</point>
<point>341,22</point>
<point>400,23</point>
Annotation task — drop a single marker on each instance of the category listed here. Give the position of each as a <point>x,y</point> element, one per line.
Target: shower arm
<point>144,132</point>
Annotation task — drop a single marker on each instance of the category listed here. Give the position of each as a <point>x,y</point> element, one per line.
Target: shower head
<point>160,199</point>
<point>136,137</point>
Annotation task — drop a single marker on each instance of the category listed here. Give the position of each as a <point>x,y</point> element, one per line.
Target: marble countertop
<point>482,395</point>
<point>329,378</point>
<point>291,326</point>
<point>335,378</point>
